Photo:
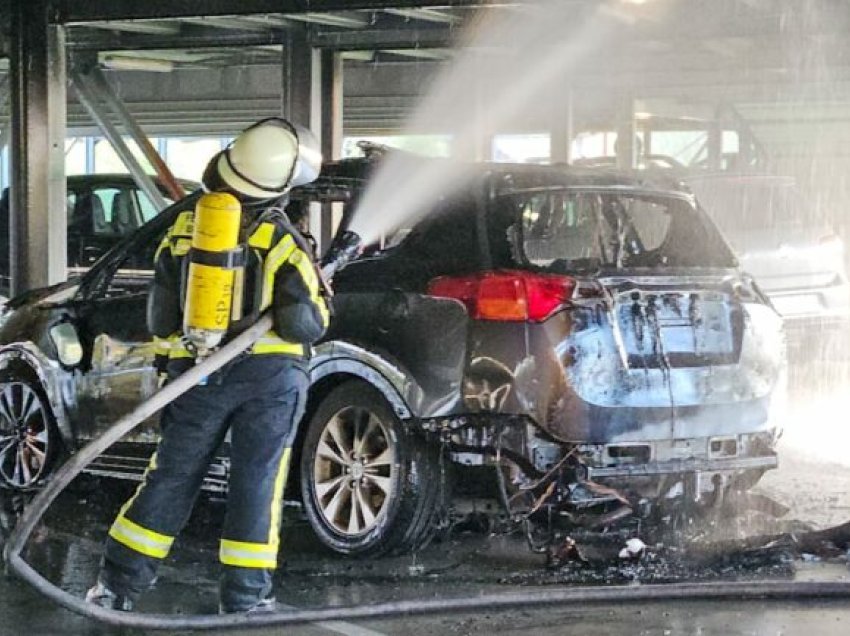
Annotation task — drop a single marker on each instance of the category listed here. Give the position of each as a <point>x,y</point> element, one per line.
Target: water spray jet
<point>511,62</point>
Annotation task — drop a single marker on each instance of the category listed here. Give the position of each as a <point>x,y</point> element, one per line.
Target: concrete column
<point>330,129</point>
<point>297,91</point>
<point>626,134</point>
<point>562,131</point>
<point>715,145</point>
<point>38,217</point>
<point>480,146</point>
<point>331,103</point>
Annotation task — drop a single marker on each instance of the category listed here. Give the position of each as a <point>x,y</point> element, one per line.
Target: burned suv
<point>576,345</point>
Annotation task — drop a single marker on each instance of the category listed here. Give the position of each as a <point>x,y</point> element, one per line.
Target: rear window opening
<point>569,230</point>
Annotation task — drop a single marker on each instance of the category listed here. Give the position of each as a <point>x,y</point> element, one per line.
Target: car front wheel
<point>369,487</point>
<point>28,442</point>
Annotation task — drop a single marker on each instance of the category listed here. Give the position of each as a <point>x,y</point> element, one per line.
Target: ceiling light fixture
<point>127,63</point>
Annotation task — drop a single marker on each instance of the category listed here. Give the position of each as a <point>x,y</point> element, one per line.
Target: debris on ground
<point>567,550</point>
<point>633,550</point>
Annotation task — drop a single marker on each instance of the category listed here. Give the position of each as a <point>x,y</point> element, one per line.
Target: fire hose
<point>576,596</point>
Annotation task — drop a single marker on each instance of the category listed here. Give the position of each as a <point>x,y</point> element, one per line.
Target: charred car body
<point>583,339</point>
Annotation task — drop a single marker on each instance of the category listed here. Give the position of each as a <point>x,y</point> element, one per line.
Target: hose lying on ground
<point>577,596</point>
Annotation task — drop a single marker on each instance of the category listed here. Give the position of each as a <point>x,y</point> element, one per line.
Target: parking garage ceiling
<point>735,50</point>
<point>670,33</point>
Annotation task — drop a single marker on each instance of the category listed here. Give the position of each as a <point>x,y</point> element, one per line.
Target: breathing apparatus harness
<point>213,281</point>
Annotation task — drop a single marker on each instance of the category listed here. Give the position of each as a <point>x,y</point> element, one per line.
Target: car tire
<point>29,439</point>
<point>369,486</point>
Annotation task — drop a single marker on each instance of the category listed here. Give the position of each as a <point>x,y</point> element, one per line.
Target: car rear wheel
<point>28,441</point>
<point>369,487</point>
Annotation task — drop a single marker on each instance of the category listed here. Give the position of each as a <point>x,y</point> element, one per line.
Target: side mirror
<point>69,350</point>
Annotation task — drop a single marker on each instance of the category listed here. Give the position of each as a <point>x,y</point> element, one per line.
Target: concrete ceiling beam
<point>73,11</point>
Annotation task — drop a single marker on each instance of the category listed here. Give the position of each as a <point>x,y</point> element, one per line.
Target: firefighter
<point>259,397</point>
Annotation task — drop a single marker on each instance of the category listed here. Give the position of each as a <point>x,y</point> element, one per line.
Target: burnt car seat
<point>123,213</point>
<point>89,206</point>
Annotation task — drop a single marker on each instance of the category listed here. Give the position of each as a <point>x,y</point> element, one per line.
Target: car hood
<point>50,295</point>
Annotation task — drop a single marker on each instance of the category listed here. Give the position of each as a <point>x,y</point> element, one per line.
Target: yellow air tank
<point>214,260</point>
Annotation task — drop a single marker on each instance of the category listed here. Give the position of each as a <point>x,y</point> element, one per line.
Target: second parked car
<point>102,210</point>
<point>786,243</point>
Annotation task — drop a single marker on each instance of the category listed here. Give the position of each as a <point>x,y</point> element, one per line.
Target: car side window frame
<point>96,282</point>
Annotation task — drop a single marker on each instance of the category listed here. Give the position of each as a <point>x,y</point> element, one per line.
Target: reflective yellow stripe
<point>287,252</point>
<point>175,240</point>
<point>181,247</point>
<point>140,539</point>
<point>274,259</point>
<point>176,348</point>
<point>261,555</point>
<point>262,236</point>
<point>164,244</point>
<point>247,555</point>
<point>179,352</point>
<point>272,343</point>
<point>277,497</point>
<point>183,225</point>
<point>301,262</point>
<point>161,346</point>
<point>150,467</point>
<point>133,535</point>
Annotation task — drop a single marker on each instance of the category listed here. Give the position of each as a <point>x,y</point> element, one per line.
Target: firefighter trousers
<point>260,399</point>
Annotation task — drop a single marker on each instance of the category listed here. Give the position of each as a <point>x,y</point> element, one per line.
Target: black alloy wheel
<point>26,438</point>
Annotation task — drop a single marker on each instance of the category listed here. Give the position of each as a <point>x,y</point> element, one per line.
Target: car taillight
<point>512,296</point>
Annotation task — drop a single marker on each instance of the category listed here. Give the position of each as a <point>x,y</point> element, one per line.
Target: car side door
<point>120,370</point>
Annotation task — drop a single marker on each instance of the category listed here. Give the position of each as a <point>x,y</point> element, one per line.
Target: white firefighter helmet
<point>265,160</point>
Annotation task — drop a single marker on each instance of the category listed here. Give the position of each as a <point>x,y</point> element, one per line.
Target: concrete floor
<point>24,612</point>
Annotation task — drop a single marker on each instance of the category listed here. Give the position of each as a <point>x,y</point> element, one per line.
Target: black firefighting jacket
<point>279,274</point>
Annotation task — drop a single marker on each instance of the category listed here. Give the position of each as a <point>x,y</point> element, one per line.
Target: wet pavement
<point>67,549</point>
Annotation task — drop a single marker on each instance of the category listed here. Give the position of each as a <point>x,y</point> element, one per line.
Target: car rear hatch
<point>660,338</point>
<point>666,323</point>
<point>670,359</point>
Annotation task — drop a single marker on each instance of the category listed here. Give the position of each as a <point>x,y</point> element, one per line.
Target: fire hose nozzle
<point>343,249</point>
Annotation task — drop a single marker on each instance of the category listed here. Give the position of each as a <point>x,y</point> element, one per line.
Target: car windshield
<point>565,230</point>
